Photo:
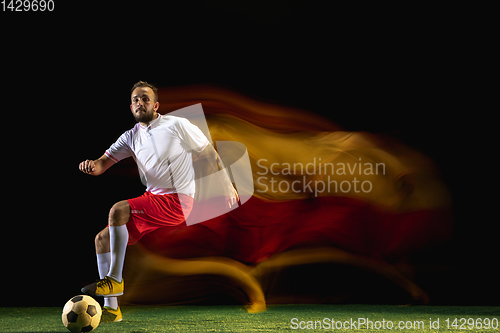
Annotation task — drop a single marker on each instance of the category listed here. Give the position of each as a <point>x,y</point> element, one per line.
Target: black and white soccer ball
<point>81,314</point>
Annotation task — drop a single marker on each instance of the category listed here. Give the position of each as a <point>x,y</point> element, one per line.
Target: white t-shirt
<point>163,153</point>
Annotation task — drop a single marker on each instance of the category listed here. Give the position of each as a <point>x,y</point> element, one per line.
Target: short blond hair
<point>142,84</point>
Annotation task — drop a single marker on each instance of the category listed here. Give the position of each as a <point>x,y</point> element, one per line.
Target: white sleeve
<point>121,148</point>
<point>191,135</point>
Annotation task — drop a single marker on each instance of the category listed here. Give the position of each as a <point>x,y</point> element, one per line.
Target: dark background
<point>421,75</point>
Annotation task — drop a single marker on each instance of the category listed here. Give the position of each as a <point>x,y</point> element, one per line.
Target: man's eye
<point>145,99</point>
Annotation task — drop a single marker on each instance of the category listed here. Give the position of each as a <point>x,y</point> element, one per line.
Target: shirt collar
<point>152,124</point>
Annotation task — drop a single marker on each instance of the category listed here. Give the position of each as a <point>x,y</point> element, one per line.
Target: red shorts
<point>150,212</point>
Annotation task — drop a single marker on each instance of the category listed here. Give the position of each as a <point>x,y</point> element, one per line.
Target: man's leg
<point>104,262</point>
<point>111,245</point>
<point>119,215</point>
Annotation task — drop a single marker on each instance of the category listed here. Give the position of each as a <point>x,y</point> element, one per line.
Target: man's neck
<point>147,124</point>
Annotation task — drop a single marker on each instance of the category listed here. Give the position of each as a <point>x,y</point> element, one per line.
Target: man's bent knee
<point>102,241</point>
<point>119,214</point>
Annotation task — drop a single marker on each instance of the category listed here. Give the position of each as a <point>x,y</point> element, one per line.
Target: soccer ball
<point>81,314</point>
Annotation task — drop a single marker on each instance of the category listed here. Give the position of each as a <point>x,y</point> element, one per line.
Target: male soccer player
<point>164,148</point>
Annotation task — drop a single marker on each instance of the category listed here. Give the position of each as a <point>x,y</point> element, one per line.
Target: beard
<point>144,117</point>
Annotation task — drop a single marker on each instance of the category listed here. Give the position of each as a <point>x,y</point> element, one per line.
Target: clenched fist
<point>87,166</point>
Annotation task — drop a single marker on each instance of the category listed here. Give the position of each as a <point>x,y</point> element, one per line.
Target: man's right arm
<point>96,167</point>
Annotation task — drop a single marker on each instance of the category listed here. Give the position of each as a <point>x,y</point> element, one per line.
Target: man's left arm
<point>212,157</point>
<point>194,138</point>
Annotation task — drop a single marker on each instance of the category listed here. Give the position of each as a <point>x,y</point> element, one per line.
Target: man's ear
<point>131,108</point>
<point>156,107</point>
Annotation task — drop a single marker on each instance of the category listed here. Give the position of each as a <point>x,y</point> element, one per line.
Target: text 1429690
<point>27,5</point>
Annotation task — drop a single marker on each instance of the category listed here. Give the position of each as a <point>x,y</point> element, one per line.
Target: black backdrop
<point>417,74</point>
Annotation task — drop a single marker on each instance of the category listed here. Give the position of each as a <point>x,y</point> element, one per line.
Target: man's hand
<point>233,198</point>
<point>97,167</point>
<point>87,166</point>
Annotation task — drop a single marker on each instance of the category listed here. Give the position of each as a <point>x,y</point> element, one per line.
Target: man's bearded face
<point>143,105</point>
